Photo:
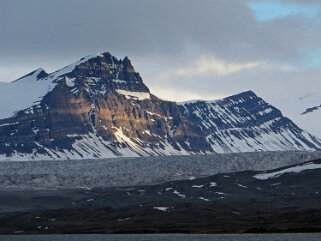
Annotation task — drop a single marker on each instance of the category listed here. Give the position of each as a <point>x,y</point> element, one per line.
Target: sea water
<point>167,237</point>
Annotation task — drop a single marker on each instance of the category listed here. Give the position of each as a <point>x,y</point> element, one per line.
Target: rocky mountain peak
<point>246,97</point>
<point>128,65</point>
<point>99,74</point>
<point>248,94</point>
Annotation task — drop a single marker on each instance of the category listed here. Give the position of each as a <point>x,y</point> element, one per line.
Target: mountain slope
<point>99,107</point>
<point>245,122</point>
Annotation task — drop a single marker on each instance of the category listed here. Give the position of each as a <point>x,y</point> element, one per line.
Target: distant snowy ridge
<point>23,93</point>
<point>312,109</point>
<point>305,110</point>
<point>31,88</point>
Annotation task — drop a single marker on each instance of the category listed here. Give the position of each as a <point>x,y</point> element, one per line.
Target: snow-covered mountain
<point>245,122</point>
<point>99,107</point>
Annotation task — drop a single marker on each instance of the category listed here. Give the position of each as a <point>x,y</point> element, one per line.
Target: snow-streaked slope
<point>92,146</point>
<point>245,122</point>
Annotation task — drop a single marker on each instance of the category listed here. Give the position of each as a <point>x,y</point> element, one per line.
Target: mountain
<point>99,107</point>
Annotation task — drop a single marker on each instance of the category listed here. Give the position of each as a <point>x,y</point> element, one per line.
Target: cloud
<point>168,93</point>
<point>40,30</point>
<point>206,64</point>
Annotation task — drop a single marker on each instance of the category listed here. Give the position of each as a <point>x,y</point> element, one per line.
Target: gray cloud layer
<point>138,27</point>
<point>162,37</point>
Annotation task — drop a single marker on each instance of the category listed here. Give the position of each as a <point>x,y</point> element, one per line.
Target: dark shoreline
<point>223,203</point>
<point>165,228</point>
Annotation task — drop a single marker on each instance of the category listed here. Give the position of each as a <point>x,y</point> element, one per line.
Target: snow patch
<point>134,95</point>
<point>179,194</point>
<point>198,186</point>
<point>70,82</point>
<point>163,209</point>
<point>119,81</point>
<point>296,169</point>
<point>240,185</point>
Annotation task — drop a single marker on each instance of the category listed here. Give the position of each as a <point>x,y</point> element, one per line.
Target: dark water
<point>170,237</point>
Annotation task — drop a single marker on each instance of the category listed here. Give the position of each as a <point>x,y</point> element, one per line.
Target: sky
<point>183,49</point>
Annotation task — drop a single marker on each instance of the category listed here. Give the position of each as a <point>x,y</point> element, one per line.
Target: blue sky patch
<point>312,58</point>
<point>270,10</point>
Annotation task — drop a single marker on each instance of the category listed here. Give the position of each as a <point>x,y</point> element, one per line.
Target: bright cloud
<point>206,64</point>
<point>168,93</point>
